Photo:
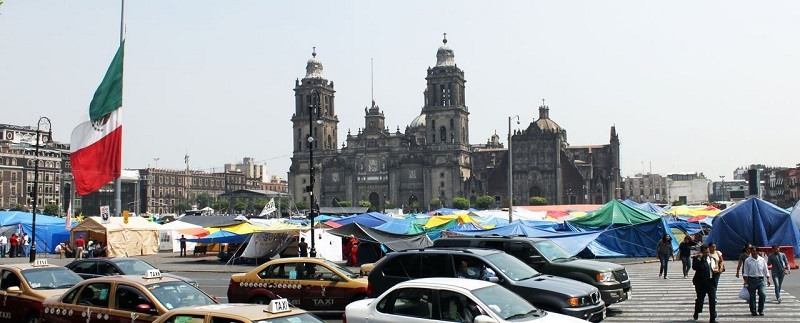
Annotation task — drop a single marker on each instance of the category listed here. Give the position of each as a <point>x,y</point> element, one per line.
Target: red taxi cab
<point>278,311</point>
<point>312,284</point>
<point>122,298</point>
<point>23,287</point>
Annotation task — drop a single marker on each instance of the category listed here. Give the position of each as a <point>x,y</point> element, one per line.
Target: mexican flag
<point>96,144</point>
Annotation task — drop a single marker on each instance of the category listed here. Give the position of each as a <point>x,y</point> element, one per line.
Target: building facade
<point>432,159</point>
<point>644,188</point>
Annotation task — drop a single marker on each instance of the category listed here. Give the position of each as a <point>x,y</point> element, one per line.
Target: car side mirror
<point>143,308</point>
<point>14,290</point>
<point>494,280</point>
<point>483,319</point>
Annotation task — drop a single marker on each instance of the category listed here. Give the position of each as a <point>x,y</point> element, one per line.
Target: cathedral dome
<point>544,122</point>
<point>419,121</point>
<point>445,55</point>
<point>314,66</point>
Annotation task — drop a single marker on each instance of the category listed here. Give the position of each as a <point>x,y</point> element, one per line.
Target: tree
<point>366,204</point>
<point>182,206</point>
<point>50,209</point>
<point>258,205</point>
<point>678,202</point>
<point>203,200</point>
<point>345,204</point>
<point>239,205</point>
<point>537,200</point>
<point>460,203</point>
<point>301,205</point>
<point>435,204</point>
<point>221,205</point>
<point>484,202</point>
<point>388,205</point>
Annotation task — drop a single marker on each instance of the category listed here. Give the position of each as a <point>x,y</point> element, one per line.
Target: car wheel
<point>32,318</point>
<point>260,300</point>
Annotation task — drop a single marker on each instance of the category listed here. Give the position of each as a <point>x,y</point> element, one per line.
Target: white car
<point>448,300</point>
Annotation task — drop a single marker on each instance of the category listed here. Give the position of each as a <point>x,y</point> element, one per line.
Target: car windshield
<point>551,250</point>
<point>133,267</point>
<point>177,294</point>
<point>51,278</point>
<point>512,267</point>
<point>298,318</point>
<point>505,303</point>
<point>344,270</point>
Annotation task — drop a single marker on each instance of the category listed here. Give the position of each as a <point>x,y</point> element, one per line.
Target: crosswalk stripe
<point>656,299</point>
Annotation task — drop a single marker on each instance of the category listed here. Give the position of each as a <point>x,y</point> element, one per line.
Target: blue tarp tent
<point>222,236</point>
<point>624,229</point>
<point>755,221</point>
<point>370,220</point>
<point>50,230</point>
<point>397,226</point>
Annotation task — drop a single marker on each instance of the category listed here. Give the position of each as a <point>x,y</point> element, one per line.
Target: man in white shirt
<point>755,271</point>
<point>3,245</point>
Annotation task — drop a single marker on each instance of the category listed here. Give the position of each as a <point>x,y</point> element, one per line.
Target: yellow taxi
<point>312,284</point>
<point>23,287</point>
<point>122,298</point>
<point>278,311</point>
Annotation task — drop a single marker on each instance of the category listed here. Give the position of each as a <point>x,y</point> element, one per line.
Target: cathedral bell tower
<point>316,92</point>
<point>447,123</point>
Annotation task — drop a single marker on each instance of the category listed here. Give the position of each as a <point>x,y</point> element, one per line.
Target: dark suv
<point>548,257</point>
<point>98,267</point>
<point>550,293</point>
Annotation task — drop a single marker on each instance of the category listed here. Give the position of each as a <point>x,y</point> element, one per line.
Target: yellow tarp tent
<point>439,220</point>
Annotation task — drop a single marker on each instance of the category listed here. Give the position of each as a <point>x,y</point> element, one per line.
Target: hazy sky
<point>691,86</point>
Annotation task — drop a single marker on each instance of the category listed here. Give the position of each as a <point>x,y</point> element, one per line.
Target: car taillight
<point>344,318</point>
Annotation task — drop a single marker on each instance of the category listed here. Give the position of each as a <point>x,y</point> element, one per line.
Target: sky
<point>691,86</point>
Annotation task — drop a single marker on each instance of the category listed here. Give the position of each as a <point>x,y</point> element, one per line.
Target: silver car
<point>448,300</point>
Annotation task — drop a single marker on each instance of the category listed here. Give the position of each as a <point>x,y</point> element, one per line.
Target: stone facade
<point>432,158</point>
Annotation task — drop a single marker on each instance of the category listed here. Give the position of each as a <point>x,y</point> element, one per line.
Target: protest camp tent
<point>170,234</point>
<point>375,242</point>
<point>50,230</point>
<point>755,221</point>
<point>624,229</point>
<point>138,237</point>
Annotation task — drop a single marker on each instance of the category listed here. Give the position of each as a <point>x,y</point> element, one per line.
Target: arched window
<point>443,133</point>
<point>330,143</point>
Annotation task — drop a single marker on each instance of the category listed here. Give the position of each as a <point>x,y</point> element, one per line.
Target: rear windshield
<point>51,278</point>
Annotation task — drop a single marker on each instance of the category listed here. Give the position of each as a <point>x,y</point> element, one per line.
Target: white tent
<point>168,235</point>
<point>138,237</point>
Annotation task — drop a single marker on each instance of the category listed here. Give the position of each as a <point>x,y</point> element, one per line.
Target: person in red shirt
<point>353,258</point>
<point>14,242</point>
<point>79,245</point>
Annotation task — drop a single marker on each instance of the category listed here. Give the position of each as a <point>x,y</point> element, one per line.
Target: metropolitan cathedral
<point>432,158</point>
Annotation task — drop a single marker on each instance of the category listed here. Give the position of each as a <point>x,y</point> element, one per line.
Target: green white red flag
<point>96,144</point>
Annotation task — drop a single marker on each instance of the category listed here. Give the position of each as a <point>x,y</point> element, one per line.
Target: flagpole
<point>118,180</point>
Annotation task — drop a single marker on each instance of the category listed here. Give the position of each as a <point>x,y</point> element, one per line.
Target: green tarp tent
<point>615,212</point>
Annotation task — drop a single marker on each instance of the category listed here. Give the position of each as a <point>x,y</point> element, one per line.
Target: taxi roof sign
<point>152,273</point>
<point>39,263</point>
<point>278,306</point>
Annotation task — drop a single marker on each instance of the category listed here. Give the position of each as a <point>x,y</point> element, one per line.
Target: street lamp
<point>722,189</point>
<point>313,109</point>
<point>44,122</point>
<point>510,172</point>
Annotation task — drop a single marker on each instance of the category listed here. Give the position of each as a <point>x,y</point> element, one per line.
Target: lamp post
<point>722,189</point>
<point>313,109</point>
<point>44,122</point>
<point>510,172</point>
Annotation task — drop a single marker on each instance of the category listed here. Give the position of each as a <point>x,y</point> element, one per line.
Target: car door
<point>64,311</point>
<point>283,280</point>
<point>13,305</point>
<point>125,302</point>
<point>407,305</point>
<point>323,289</point>
<point>93,302</point>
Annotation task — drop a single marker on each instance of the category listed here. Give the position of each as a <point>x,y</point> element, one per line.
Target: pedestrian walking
<point>26,245</point>
<point>742,257</point>
<point>719,262</point>
<point>684,253</point>
<point>303,246</point>
<point>780,268</point>
<point>664,252</point>
<point>3,245</point>
<point>183,245</point>
<point>79,245</point>
<point>13,243</point>
<point>755,271</point>
<point>703,281</point>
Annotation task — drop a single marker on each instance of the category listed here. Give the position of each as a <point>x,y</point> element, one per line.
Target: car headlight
<point>606,276</point>
<point>579,301</point>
